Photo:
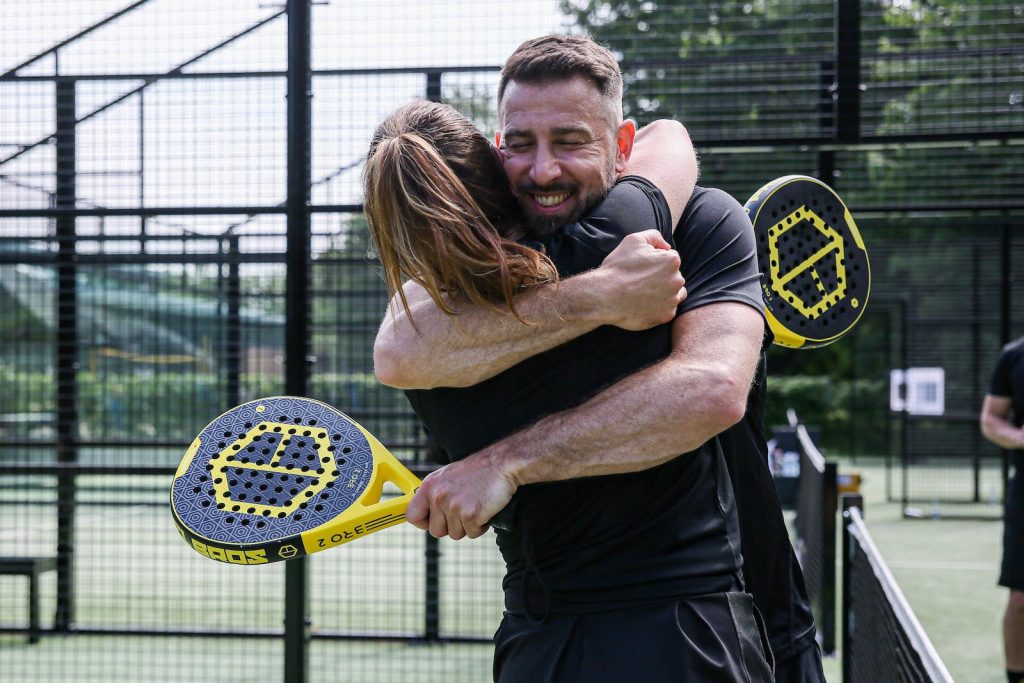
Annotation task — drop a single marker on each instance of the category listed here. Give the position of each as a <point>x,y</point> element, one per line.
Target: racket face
<point>281,477</point>
<point>816,278</point>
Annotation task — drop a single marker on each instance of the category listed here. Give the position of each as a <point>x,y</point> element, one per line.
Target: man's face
<point>561,149</point>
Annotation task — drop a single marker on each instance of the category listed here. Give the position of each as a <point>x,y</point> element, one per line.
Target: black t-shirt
<point>602,542</point>
<point>1008,381</point>
<point>770,567</point>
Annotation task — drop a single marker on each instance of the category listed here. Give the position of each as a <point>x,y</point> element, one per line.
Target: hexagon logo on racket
<point>283,477</point>
<point>816,278</point>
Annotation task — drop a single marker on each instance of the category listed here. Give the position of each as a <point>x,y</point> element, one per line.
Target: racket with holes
<point>814,266</point>
<point>281,477</point>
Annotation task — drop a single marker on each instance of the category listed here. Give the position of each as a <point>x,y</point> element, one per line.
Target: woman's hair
<point>435,198</point>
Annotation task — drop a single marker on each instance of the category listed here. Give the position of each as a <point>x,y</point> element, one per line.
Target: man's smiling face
<point>559,140</point>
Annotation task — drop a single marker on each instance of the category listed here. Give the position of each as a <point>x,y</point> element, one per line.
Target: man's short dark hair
<point>562,57</point>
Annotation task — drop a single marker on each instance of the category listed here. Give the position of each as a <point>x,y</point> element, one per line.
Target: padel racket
<point>281,477</point>
<point>814,266</point>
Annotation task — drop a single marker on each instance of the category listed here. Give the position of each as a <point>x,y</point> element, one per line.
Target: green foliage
<point>170,406</point>
<point>755,70</point>
<point>17,324</point>
<point>829,404</point>
<point>653,39</point>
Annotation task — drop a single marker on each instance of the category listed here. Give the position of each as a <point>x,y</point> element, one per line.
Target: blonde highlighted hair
<point>436,198</point>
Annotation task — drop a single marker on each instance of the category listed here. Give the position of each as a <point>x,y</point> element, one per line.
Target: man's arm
<point>996,425</point>
<point>700,388</point>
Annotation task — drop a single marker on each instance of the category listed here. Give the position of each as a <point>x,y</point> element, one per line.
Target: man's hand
<point>460,499</point>
<point>642,282</point>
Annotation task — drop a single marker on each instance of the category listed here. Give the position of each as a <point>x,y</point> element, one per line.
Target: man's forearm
<point>600,438</point>
<point>648,418</point>
<point>1002,432</point>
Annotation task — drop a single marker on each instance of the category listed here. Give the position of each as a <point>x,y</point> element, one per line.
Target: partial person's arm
<point>637,286</point>
<point>477,344</point>
<point>996,425</point>
<point>664,155</point>
<point>644,420</point>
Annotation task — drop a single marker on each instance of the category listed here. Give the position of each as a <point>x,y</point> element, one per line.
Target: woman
<point>436,198</point>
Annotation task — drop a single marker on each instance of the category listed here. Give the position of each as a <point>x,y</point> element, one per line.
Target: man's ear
<point>497,139</point>
<point>624,144</point>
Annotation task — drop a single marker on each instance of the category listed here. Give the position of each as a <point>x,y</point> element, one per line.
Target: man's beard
<point>541,227</point>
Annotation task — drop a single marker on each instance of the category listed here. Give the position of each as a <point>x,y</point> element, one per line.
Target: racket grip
<point>505,520</point>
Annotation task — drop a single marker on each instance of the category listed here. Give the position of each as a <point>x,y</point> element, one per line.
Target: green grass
<point>134,572</point>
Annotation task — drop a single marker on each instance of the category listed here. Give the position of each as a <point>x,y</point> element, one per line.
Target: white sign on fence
<point>919,391</point>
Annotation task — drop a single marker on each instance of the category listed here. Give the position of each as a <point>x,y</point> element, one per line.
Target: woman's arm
<point>637,286</point>
<point>664,155</point>
<point>636,289</point>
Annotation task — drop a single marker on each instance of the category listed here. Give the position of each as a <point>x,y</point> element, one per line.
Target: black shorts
<point>703,639</point>
<point>1011,574</point>
<point>803,666</point>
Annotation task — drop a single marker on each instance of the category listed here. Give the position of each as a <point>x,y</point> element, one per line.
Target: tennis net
<point>882,639</point>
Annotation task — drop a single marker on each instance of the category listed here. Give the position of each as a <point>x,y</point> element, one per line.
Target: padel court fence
<point>181,230</point>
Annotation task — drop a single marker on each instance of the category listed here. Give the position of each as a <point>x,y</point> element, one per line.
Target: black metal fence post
<point>66,349</point>
<point>1005,314</point>
<point>434,86</point>
<point>847,91</point>
<point>830,503</point>
<point>827,119</point>
<point>976,307</point>
<point>232,350</point>
<point>297,327</point>
<point>903,309</point>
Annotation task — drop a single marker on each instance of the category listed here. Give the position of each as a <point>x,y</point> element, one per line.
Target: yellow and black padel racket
<point>282,477</point>
<point>814,266</point>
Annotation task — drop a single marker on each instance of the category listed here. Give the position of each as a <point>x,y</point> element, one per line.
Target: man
<point>1002,417</point>
<point>555,161</point>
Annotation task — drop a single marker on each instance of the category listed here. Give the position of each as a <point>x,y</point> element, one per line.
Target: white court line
<point>955,566</point>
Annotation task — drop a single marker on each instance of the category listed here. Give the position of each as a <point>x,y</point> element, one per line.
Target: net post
<point>849,500</point>
<point>829,503</point>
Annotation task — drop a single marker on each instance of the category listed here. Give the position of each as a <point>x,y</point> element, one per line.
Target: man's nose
<point>546,168</point>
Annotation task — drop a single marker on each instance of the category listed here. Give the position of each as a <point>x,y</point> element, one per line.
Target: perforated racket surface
<point>816,278</point>
<point>281,477</point>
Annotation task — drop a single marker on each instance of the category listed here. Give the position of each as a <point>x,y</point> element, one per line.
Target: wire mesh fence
<point>149,224</point>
